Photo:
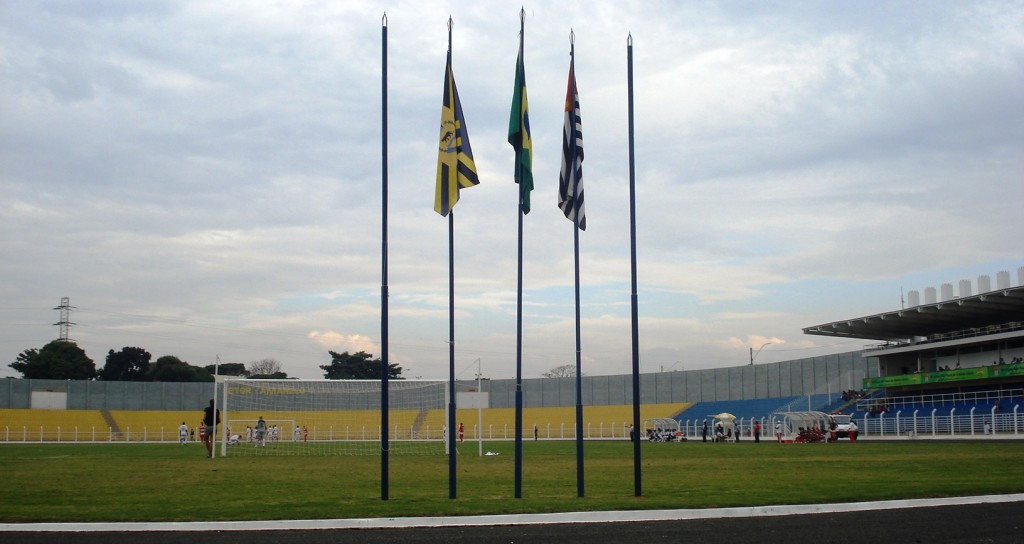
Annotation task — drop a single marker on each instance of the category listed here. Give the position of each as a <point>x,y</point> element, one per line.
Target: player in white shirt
<point>183,434</point>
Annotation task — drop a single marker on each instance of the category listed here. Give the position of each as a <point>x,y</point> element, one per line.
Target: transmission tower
<point>65,318</point>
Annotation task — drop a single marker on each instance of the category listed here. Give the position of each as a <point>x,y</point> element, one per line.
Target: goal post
<point>333,417</point>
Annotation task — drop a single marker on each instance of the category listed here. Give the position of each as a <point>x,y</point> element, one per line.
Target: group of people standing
<point>211,416</point>
<point>723,434</point>
<point>259,434</point>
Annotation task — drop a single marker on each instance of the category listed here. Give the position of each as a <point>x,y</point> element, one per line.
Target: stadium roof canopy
<point>973,312</point>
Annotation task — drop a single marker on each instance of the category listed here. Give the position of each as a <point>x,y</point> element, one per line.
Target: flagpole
<point>451,356</point>
<point>519,367</point>
<point>632,258</point>
<point>451,327</point>
<point>576,255</point>
<point>384,445</point>
<point>518,470</point>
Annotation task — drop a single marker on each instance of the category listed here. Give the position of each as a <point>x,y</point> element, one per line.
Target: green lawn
<point>144,482</point>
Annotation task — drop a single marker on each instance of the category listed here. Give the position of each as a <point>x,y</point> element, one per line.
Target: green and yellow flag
<point>519,133</point>
<point>455,166</point>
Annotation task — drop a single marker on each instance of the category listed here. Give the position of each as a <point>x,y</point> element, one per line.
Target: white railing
<point>944,423</point>
<point>944,399</point>
<point>552,430</point>
<point>938,422</point>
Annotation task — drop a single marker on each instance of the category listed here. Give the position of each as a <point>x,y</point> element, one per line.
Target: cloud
<point>217,170</point>
<point>339,342</point>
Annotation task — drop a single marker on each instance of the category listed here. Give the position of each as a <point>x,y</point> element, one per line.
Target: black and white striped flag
<point>570,180</point>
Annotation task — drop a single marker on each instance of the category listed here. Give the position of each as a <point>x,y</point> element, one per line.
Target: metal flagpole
<point>451,327</point>
<point>451,355</point>
<point>519,366</point>
<point>384,366</point>
<point>576,255</point>
<point>518,470</point>
<point>632,258</point>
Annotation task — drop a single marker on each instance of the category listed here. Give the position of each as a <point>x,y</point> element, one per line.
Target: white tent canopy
<point>793,422</point>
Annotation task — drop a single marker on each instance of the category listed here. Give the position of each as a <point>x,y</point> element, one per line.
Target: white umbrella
<point>725,416</point>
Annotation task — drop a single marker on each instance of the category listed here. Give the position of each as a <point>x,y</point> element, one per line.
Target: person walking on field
<point>704,432</point>
<point>183,433</point>
<point>757,431</point>
<point>462,432</point>
<point>778,431</point>
<point>211,416</point>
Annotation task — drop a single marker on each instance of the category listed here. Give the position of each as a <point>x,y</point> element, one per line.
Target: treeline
<point>64,360</point>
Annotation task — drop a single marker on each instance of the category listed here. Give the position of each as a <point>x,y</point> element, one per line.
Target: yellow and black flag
<point>455,166</point>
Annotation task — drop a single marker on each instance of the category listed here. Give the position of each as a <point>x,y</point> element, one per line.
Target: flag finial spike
<point>629,40</point>
<point>384,19</point>
<point>450,23</point>
<point>572,37</point>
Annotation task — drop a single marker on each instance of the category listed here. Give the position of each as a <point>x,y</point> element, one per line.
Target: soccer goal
<point>332,417</point>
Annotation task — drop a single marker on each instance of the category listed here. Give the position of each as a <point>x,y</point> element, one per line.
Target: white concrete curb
<point>509,519</point>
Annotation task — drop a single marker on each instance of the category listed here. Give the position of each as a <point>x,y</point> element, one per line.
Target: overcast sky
<point>203,179</point>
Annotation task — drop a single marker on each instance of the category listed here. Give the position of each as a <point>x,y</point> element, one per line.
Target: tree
<point>228,369</point>
<point>127,365</point>
<point>26,362</point>
<point>58,360</point>
<point>171,369</point>
<point>357,366</point>
<point>266,369</point>
<point>564,371</point>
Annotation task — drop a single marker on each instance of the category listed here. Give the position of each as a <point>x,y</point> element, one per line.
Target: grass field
<point>151,482</point>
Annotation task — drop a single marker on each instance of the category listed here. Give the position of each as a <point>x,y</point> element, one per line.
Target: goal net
<point>332,417</point>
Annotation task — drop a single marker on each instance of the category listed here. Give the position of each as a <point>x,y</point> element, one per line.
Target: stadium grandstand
<point>950,361</point>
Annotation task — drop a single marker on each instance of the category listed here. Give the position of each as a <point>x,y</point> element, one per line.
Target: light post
<point>753,353</point>
<point>669,369</point>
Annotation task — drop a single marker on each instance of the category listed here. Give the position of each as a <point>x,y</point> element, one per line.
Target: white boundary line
<point>510,519</point>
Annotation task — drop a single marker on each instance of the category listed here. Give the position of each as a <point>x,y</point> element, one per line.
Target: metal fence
<point>943,422</point>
